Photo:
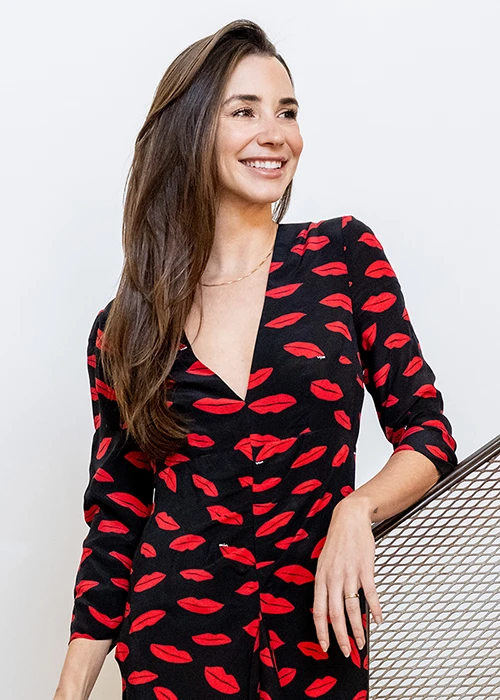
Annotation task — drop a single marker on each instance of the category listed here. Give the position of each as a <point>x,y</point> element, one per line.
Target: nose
<point>270,131</point>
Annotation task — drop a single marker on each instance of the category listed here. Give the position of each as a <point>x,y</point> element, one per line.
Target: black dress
<point>201,568</point>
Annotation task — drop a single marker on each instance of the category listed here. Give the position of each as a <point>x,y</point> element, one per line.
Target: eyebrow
<point>256,98</point>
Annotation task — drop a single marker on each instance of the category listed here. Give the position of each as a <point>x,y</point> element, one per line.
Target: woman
<point>227,378</point>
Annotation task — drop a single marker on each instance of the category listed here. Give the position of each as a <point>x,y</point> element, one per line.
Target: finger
<point>320,609</point>
<point>371,595</point>
<point>353,609</point>
<point>337,618</point>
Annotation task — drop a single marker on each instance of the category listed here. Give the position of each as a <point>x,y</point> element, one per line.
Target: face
<point>261,128</point>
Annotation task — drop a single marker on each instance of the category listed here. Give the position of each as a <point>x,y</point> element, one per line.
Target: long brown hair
<point>168,230</point>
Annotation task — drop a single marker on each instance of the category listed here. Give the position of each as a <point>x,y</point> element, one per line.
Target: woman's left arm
<point>410,411</point>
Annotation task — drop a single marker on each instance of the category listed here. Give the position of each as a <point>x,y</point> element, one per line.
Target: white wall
<point>400,115</point>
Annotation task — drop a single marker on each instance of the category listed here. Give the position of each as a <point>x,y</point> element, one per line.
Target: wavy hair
<point>168,231</point>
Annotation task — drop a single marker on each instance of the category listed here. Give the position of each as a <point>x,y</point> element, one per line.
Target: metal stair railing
<point>437,574</point>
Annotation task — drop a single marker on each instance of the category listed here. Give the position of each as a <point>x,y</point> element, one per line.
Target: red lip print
<point>103,447</point>
<point>397,340</point>
<point>274,448</point>
<point>259,377</point>
<point>368,337</point>
<point>166,522</point>
<point>224,515</point>
<point>104,389</point>
<point>220,680</point>
<point>203,606</point>
<point>273,404</point>
<point>266,484</point>
<point>285,320</point>
<point>371,240</point>
<point>275,606</point>
<point>320,687</point>
<point>274,524</point>
<point>342,419</point>
<point>121,651</point>
<point>140,677</point>
<point>332,268</point>
<point>303,349</point>
<point>341,456</point>
<point>148,550</point>
<point>241,554</point>
<point>113,526</point>
<point>286,676</point>
<point>196,574</point>
<point>147,619</point>
<point>380,268</point>
<point>167,652</point>
<point>339,327</point>
<point>311,455</point>
<point>187,542</point>
<point>380,302</point>
<point>211,640</point>
<point>128,501</point>
<point>319,504</point>
<point>91,513</point>
<point>413,366</point>
<point>208,487</point>
<point>126,561</point>
<point>307,486</point>
<point>138,459</point>
<point>102,475</point>
<point>84,586</point>
<point>123,583</point>
<point>327,390</point>
<point>220,406</point>
<point>170,478</point>
<point>426,391</point>
<point>312,649</point>
<point>284,291</point>
<point>437,452</point>
<point>111,622</point>
<point>339,299</point>
<point>149,580</point>
<point>380,377</point>
<point>287,541</point>
<point>195,440</point>
<point>311,243</point>
<point>294,573</point>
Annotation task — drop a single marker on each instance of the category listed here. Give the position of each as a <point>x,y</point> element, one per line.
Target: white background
<point>400,119</point>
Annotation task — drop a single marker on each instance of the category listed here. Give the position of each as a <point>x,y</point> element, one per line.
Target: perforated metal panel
<point>437,573</point>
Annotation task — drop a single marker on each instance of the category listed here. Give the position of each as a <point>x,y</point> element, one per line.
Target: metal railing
<point>437,574</point>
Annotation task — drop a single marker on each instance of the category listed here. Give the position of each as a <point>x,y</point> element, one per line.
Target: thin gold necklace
<point>218,284</point>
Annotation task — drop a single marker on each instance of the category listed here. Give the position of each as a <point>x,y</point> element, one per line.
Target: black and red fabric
<point>201,568</point>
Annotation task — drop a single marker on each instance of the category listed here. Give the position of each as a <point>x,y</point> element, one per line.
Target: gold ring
<point>352,595</point>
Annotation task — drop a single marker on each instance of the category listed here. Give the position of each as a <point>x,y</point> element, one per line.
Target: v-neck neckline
<point>277,247</point>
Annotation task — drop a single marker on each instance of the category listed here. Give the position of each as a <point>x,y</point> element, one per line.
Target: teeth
<point>269,164</point>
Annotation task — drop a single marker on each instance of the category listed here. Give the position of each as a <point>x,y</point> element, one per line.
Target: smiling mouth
<point>264,164</point>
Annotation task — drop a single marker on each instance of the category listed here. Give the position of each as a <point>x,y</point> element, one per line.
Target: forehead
<point>264,76</point>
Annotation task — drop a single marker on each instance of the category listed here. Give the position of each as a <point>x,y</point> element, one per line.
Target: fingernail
<point>323,645</point>
<point>359,642</point>
<point>378,619</point>
<point>346,651</point>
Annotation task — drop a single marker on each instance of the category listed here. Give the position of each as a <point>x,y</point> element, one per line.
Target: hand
<point>346,563</point>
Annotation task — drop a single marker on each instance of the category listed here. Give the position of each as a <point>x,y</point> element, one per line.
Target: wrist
<point>358,503</point>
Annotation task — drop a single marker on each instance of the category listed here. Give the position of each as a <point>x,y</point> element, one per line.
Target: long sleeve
<point>402,384</point>
<point>116,505</point>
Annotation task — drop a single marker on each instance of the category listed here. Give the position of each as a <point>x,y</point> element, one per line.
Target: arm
<point>400,381</point>
<point>116,504</point>
<point>410,412</point>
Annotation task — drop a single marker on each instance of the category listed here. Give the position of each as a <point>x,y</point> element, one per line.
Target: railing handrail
<point>485,453</point>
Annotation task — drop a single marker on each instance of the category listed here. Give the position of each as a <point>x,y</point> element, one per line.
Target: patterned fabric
<point>201,568</point>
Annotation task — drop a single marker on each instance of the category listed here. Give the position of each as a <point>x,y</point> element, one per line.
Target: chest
<point>223,327</point>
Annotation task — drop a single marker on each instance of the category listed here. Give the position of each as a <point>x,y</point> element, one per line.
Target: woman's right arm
<point>116,504</point>
<point>82,665</point>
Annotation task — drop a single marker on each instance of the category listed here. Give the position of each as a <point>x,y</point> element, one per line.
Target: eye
<point>292,113</point>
